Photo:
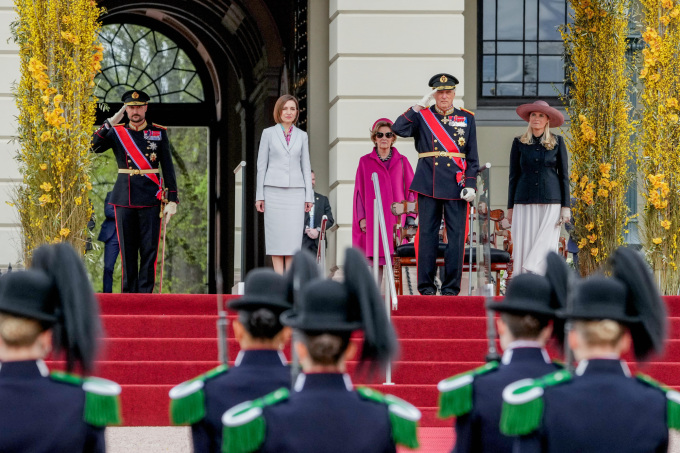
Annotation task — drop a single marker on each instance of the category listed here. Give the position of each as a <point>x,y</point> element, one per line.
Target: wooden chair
<point>405,256</point>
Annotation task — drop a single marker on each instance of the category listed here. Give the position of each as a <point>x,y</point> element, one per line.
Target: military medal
<point>460,131</point>
<point>152,146</point>
<point>461,141</point>
<point>153,157</point>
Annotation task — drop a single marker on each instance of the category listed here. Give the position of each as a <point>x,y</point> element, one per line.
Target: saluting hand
<point>115,119</point>
<point>259,205</point>
<point>426,100</point>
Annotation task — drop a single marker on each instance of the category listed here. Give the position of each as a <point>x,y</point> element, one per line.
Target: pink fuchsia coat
<point>395,178</point>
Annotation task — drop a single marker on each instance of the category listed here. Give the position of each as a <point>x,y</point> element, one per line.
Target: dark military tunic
<point>602,409</point>
<point>436,176</point>
<point>138,191</point>
<point>41,415</point>
<point>257,373</point>
<point>137,200</point>
<point>324,414</point>
<point>477,431</point>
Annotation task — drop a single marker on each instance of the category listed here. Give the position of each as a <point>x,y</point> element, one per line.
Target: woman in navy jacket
<point>538,194</point>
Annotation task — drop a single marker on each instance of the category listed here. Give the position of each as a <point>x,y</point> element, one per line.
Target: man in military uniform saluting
<point>445,179</point>
<point>141,151</point>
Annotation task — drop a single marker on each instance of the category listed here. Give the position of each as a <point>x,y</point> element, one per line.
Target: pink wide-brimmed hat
<point>556,118</point>
<point>385,120</point>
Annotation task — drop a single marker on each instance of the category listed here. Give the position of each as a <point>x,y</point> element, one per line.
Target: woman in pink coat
<point>394,174</point>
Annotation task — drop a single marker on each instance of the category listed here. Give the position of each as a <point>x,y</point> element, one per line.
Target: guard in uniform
<point>323,412</point>
<point>138,196</point>
<point>51,305</point>
<point>445,179</point>
<point>527,315</point>
<point>601,407</point>
<point>260,366</point>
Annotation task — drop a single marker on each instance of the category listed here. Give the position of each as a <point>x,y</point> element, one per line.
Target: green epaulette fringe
<point>244,425</point>
<point>102,398</point>
<point>672,400</point>
<point>404,416</point>
<point>187,400</point>
<point>455,393</point>
<point>523,403</point>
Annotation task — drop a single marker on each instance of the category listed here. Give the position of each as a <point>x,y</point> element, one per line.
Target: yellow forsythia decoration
<point>60,56</point>
<point>600,128</point>
<point>659,139</point>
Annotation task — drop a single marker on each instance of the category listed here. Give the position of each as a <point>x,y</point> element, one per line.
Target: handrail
<point>321,250</point>
<point>390,287</point>
<point>238,168</point>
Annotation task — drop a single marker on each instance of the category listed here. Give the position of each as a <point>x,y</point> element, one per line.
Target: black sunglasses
<point>386,134</point>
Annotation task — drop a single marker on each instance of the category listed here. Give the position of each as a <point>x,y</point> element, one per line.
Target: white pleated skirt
<point>535,233</point>
<point>284,219</point>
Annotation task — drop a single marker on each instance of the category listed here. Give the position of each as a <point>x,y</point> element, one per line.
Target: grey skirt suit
<point>284,182</point>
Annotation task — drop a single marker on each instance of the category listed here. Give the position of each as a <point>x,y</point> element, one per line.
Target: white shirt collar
<point>507,354</point>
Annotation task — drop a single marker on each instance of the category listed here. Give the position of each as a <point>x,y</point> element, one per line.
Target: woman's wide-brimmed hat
<point>556,118</point>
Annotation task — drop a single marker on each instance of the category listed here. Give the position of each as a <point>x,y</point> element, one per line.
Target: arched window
<point>136,57</point>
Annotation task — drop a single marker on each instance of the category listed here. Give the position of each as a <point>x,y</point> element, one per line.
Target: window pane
<point>489,47</point>
<point>489,17</point>
<point>531,19</point>
<point>530,47</point>
<point>550,69</point>
<point>489,69</point>
<point>488,89</point>
<point>530,69</point>
<point>550,89</point>
<point>551,47</point>
<point>550,17</point>
<point>510,46</point>
<point>510,27</point>
<point>509,89</point>
<point>530,89</point>
<point>510,69</point>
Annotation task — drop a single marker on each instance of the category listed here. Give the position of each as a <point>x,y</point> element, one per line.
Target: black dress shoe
<point>449,293</point>
<point>428,292</point>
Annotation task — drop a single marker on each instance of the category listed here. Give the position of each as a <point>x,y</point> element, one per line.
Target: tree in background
<point>60,56</point>
<point>659,139</point>
<point>600,128</point>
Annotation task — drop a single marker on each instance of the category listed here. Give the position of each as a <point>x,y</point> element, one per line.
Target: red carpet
<point>154,342</point>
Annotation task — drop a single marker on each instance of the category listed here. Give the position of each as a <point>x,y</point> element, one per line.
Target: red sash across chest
<point>137,157</point>
<point>443,137</point>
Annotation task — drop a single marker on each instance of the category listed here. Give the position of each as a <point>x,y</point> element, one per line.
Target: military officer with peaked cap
<point>52,306</point>
<point>445,178</point>
<point>142,151</point>
<point>526,323</point>
<point>601,407</point>
<point>323,412</point>
<point>260,368</point>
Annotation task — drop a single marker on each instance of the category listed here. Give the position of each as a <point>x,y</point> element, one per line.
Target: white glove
<point>427,99</point>
<point>468,194</point>
<point>169,211</point>
<point>115,119</point>
<point>565,216</point>
<point>313,233</point>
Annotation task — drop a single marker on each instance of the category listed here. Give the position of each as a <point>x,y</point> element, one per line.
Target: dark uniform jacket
<point>138,191</point>
<point>538,175</point>
<point>42,415</point>
<point>322,207</point>
<point>602,409</point>
<point>477,431</point>
<point>436,176</point>
<point>324,414</point>
<point>108,229</point>
<point>257,373</point>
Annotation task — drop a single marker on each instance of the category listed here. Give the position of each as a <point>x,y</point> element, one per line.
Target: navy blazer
<point>324,414</point>
<point>322,207</point>
<point>108,229</point>
<point>42,415</point>
<point>138,191</point>
<point>256,373</point>
<point>436,176</point>
<point>477,431</point>
<point>602,409</point>
<point>282,164</point>
<point>538,175</point>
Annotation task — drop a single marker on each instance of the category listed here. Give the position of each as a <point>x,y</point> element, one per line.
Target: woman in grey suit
<point>284,181</point>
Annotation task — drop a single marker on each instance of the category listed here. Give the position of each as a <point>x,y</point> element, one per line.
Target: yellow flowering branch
<point>600,128</point>
<point>659,139</point>
<point>60,56</point>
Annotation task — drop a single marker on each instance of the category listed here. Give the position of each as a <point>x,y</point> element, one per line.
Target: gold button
<point>436,149</point>
<point>147,154</point>
<point>435,141</point>
<point>436,163</point>
<point>448,165</point>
